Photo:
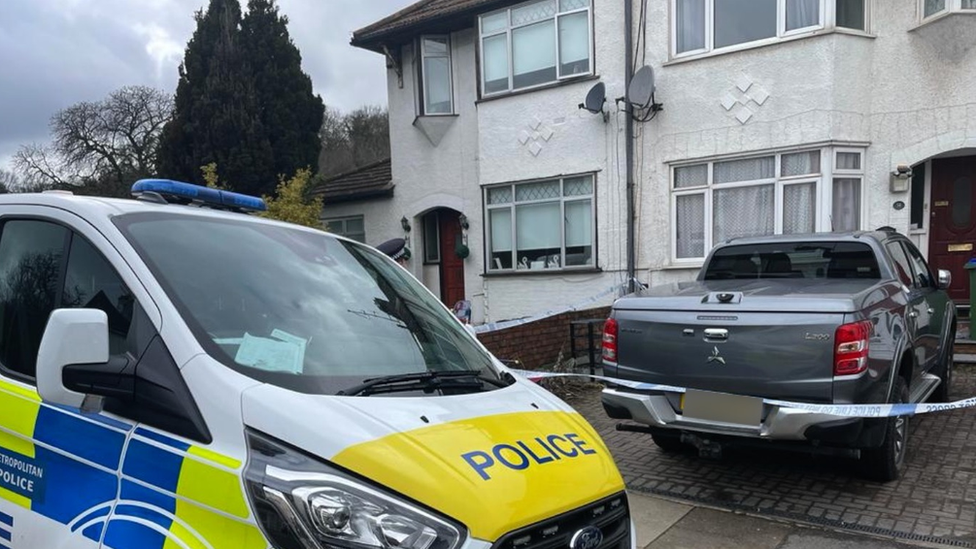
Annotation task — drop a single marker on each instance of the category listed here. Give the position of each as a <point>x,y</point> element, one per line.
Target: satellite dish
<point>641,91</point>
<point>595,99</point>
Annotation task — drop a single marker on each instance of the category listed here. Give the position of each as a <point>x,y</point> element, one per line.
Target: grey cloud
<point>54,53</point>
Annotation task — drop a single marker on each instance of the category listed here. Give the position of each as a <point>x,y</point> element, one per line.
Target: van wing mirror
<point>73,360</point>
<point>945,279</point>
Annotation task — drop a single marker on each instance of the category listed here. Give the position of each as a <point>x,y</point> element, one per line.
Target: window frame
<point>945,10</point>
<point>508,33</point>
<point>563,200</point>
<point>823,193</point>
<point>827,22</point>
<point>344,219</point>
<point>421,55</point>
<point>951,6</point>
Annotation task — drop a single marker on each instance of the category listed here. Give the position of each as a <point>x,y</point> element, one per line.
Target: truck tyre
<point>944,371</point>
<point>667,443</point>
<point>885,463</point>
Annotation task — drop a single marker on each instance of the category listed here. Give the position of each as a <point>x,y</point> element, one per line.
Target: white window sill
<point>567,81</point>
<point>683,266</point>
<point>766,43</point>
<point>582,269</point>
<point>939,17</point>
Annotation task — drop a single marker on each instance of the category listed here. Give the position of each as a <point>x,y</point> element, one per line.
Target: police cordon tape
<point>495,326</point>
<point>840,410</point>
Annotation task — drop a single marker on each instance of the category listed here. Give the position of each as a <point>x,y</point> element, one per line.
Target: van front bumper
<point>779,423</point>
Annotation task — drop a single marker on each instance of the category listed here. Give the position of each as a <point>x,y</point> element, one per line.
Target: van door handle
<point>931,310</point>
<point>913,314</point>
<point>716,333</point>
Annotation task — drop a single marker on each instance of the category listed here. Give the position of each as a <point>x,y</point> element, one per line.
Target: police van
<point>175,373</point>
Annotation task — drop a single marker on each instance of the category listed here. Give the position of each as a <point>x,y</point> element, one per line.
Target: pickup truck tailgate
<point>773,354</point>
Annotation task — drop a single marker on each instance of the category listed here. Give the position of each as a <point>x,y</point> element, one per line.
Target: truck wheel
<point>944,371</point>
<point>667,443</point>
<point>885,463</point>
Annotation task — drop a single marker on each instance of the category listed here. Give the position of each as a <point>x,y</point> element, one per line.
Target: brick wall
<point>538,343</point>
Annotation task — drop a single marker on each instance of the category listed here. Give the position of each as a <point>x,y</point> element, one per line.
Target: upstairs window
<point>535,43</point>
<point>435,76</point>
<point>701,26</point>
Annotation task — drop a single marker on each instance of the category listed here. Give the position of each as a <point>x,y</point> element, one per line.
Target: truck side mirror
<point>72,337</point>
<point>945,279</point>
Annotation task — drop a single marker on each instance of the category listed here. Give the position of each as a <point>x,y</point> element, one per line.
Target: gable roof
<point>370,181</point>
<point>422,17</point>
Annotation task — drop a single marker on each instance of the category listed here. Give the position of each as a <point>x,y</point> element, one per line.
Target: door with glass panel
<point>952,240</point>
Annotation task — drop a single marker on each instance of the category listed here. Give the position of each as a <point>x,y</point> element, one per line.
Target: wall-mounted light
<point>463,219</point>
<point>901,178</point>
<point>405,224</point>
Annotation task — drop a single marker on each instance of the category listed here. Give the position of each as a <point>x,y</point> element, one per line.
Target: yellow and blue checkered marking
<point>64,464</point>
<point>57,462</point>
<point>6,530</point>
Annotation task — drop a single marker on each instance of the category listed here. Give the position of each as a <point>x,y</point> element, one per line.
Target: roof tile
<point>370,181</point>
<point>416,15</point>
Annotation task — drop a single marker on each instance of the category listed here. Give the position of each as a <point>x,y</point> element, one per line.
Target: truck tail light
<point>851,350</point>
<point>610,329</point>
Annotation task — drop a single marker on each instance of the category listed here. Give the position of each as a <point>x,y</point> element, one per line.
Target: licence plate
<point>708,406</point>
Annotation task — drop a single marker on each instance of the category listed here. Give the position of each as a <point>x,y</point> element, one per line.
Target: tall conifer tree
<point>291,114</point>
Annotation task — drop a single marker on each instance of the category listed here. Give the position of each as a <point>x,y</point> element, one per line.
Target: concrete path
<point>663,524</point>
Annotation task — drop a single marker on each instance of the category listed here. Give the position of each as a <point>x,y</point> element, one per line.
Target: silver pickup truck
<point>854,318</point>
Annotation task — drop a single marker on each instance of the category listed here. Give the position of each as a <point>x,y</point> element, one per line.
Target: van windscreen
<point>299,308</point>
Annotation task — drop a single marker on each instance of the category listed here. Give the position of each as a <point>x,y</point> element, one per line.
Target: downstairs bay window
<point>541,225</point>
<point>932,9</point>
<point>786,193</point>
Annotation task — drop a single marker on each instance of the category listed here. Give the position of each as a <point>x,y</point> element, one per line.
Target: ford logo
<point>588,538</point>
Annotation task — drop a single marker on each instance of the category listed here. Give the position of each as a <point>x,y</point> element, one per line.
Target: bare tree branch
<point>102,146</point>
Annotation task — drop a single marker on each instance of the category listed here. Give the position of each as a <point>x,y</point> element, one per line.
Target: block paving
<point>935,500</point>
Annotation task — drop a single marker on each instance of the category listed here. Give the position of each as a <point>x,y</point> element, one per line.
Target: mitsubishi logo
<point>716,357</point>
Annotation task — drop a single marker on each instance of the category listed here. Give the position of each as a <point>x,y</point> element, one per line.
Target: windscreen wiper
<point>429,381</point>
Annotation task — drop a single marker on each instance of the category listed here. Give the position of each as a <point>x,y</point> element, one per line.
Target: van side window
<point>91,283</point>
<point>30,266</point>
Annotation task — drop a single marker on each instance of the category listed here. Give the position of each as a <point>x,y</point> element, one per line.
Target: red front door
<point>952,241</point>
<point>452,266</point>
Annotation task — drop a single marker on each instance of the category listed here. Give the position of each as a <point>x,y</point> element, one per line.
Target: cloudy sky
<point>54,53</point>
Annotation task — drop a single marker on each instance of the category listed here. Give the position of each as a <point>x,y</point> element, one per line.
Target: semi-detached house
<point>780,116</point>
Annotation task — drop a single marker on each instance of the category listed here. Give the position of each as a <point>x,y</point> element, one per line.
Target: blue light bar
<point>197,193</point>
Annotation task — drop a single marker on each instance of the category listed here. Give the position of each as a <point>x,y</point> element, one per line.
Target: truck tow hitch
<point>707,449</point>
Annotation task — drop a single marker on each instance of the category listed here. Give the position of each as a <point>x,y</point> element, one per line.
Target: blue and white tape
<point>840,410</point>
<point>495,326</point>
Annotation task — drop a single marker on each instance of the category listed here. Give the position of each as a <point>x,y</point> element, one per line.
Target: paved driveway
<point>935,501</point>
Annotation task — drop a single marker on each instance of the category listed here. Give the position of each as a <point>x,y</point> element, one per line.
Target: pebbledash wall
<point>447,161</point>
<point>900,93</point>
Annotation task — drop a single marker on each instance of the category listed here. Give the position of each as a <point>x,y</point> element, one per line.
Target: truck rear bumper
<point>779,423</point>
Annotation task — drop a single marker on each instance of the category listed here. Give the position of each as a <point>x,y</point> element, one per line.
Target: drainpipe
<point>629,136</point>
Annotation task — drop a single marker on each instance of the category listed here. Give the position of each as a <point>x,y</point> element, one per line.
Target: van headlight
<point>302,503</point>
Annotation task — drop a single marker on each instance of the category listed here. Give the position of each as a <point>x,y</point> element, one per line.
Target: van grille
<point>610,515</point>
